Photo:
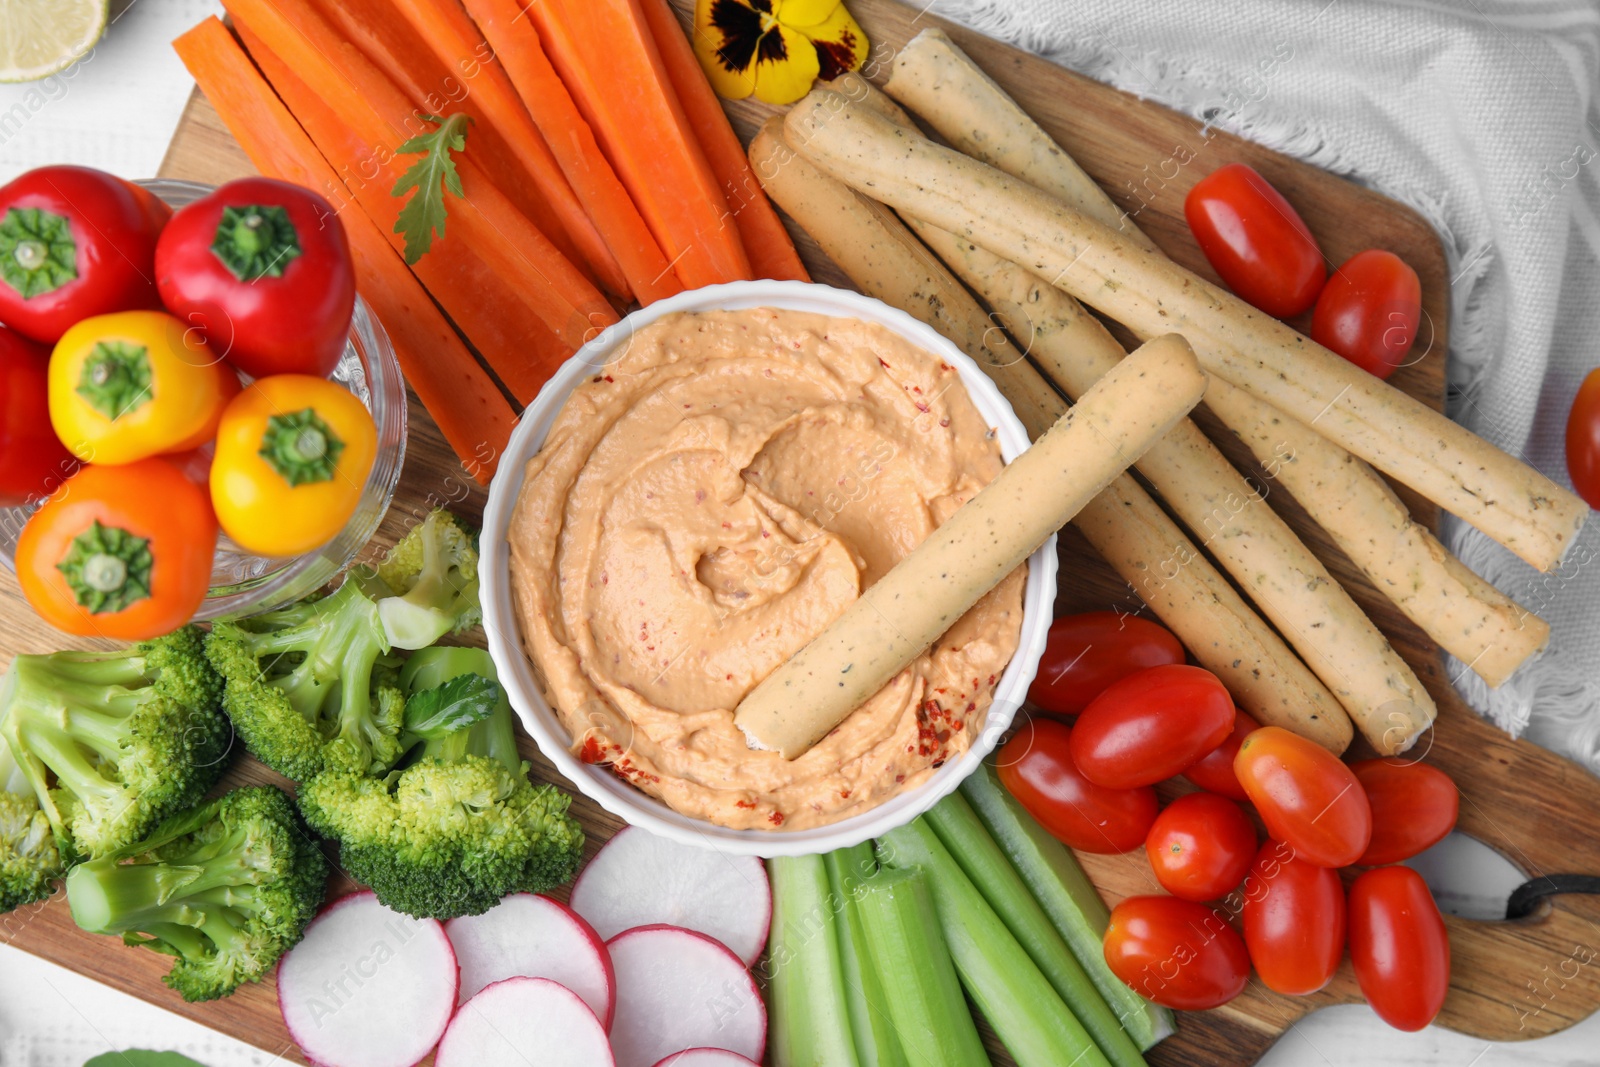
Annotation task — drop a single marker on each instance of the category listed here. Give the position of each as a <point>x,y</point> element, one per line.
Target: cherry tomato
<point>121,552</point>
<point>1255,240</point>
<point>1214,773</point>
<point>1201,846</point>
<point>1175,952</point>
<point>1399,946</point>
<point>1294,920</point>
<point>1036,766</point>
<point>263,268</point>
<point>1151,726</point>
<point>1369,311</point>
<point>1413,807</point>
<point>1583,440</point>
<point>1085,653</point>
<point>75,242</point>
<point>33,461</point>
<point>1307,797</point>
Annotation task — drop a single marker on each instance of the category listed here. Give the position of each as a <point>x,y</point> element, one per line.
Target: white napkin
<point>1482,115</point>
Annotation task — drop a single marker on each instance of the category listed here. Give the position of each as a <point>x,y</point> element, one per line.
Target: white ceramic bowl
<point>516,670</point>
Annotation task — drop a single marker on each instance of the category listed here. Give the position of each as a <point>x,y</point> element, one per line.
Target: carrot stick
<point>520,349</point>
<point>471,412</point>
<point>517,46</point>
<point>378,118</point>
<point>608,59</point>
<point>437,56</point>
<point>766,242</point>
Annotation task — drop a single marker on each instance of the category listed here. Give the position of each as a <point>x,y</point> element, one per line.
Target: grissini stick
<point>1506,499</point>
<point>1123,524</point>
<point>898,617</point>
<point>1465,615</point>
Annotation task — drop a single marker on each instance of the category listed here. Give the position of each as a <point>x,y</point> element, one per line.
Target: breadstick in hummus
<point>907,610</point>
<point>1505,498</point>
<point>1465,615</point>
<point>1123,524</point>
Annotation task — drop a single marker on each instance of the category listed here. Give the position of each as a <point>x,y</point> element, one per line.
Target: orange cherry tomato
<point>1294,920</point>
<point>1257,242</point>
<point>1369,311</point>
<point>1036,766</point>
<point>1307,797</point>
<point>1214,773</point>
<point>1086,653</point>
<point>1151,726</point>
<point>1201,846</point>
<point>1583,440</point>
<point>1175,952</point>
<point>1399,946</point>
<point>1413,807</point>
<point>122,552</point>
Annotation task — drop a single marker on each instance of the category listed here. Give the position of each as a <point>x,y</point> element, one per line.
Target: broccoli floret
<point>461,825</point>
<point>227,889</point>
<point>30,863</point>
<point>432,579</point>
<point>113,742</point>
<point>313,685</point>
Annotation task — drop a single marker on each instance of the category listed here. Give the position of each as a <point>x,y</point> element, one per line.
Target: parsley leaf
<point>141,1058</point>
<point>433,174</point>
<point>463,701</point>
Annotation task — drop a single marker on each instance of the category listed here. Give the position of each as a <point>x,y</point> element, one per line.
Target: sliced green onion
<point>909,952</point>
<point>961,832</point>
<point>1064,891</point>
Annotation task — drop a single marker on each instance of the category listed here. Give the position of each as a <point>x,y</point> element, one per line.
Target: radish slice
<point>525,1020</point>
<point>639,879</point>
<point>368,987</point>
<point>528,936</point>
<point>678,989</point>
<point>706,1057</point>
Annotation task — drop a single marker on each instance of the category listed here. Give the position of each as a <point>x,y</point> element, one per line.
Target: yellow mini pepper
<point>293,455</point>
<point>135,384</point>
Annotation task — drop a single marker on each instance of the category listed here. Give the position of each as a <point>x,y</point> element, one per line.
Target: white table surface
<point>117,110</point>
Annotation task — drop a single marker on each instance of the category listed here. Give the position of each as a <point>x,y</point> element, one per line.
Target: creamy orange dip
<point>709,502</point>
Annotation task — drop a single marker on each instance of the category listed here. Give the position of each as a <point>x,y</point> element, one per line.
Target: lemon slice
<point>40,37</point>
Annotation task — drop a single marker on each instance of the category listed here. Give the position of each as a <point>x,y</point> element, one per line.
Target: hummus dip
<point>709,502</point>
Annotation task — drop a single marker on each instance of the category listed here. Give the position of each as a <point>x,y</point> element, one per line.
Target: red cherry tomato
<point>1583,440</point>
<point>1175,952</point>
<point>1399,946</point>
<point>263,268</point>
<point>1214,773</point>
<point>33,461</point>
<point>1201,846</point>
<point>1294,920</point>
<point>1257,242</point>
<point>1307,797</point>
<point>1369,311</point>
<point>75,242</point>
<point>1036,766</point>
<point>1151,726</point>
<point>1086,653</point>
<point>1413,807</point>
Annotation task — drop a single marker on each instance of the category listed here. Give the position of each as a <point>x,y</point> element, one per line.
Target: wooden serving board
<point>1511,980</point>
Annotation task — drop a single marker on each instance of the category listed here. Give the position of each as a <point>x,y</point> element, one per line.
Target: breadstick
<point>904,612</point>
<point>1464,615</point>
<point>1123,524</point>
<point>1508,500</point>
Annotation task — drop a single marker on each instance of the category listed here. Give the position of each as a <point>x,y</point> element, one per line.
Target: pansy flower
<point>775,49</point>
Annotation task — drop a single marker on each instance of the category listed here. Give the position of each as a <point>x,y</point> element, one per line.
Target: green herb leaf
<point>452,706</point>
<point>430,176</point>
<point>136,1057</point>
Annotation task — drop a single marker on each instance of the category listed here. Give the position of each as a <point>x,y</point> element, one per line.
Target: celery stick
<point>1058,883</point>
<point>961,832</point>
<point>870,1022</point>
<point>919,979</point>
<point>1008,987</point>
<point>806,999</point>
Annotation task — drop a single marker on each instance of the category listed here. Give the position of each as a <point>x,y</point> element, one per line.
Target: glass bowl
<point>243,583</point>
